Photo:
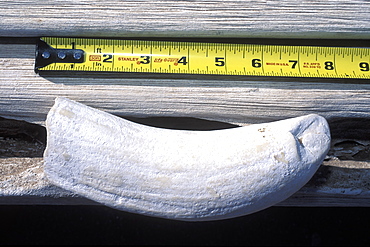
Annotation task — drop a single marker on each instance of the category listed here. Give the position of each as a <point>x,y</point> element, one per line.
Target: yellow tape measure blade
<point>139,56</point>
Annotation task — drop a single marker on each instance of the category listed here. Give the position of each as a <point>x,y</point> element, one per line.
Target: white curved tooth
<point>185,175</point>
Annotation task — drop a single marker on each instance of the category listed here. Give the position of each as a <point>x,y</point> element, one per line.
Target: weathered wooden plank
<point>217,18</point>
<point>337,183</point>
<point>28,96</point>
<point>342,180</point>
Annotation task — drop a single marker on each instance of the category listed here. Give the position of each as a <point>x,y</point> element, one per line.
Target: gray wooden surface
<point>217,18</point>
<point>28,96</point>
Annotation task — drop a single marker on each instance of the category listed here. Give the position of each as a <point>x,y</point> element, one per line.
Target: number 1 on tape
<point>138,56</point>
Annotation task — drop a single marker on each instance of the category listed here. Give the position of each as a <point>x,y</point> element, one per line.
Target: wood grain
<point>211,18</point>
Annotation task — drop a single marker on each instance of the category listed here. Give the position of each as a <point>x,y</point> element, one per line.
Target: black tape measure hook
<point>46,55</point>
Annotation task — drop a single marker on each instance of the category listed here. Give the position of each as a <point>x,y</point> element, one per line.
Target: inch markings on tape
<point>172,57</point>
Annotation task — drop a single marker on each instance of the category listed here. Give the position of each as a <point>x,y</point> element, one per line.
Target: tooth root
<point>184,175</point>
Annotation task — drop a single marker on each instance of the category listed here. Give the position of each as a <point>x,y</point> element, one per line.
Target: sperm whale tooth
<point>178,174</point>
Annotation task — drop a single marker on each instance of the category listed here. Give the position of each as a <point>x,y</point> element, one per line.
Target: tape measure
<point>107,55</point>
